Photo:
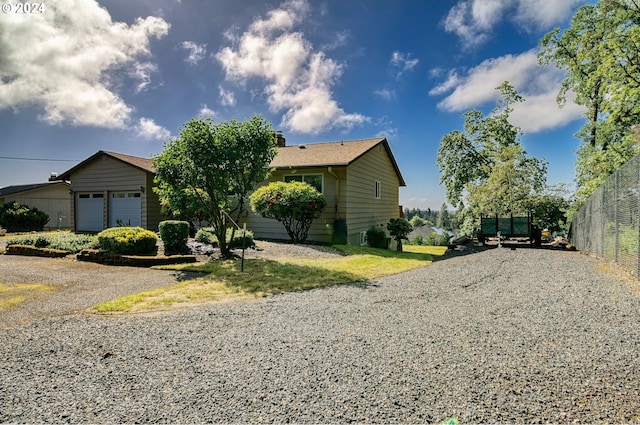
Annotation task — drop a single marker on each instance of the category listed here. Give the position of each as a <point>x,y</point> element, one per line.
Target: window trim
<point>378,190</point>
<point>284,178</point>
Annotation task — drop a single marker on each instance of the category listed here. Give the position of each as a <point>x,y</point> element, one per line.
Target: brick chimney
<point>281,139</point>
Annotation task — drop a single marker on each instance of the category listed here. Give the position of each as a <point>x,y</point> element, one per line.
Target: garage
<point>90,212</point>
<point>124,209</point>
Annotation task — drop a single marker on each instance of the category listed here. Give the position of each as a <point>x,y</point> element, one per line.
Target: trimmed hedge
<point>377,237</point>
<point>174,235</point>
<point>127,240</point>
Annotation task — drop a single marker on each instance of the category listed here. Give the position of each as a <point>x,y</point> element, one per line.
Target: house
<point>360,180</point>
<point>51,197</point>
<point>110,189</point>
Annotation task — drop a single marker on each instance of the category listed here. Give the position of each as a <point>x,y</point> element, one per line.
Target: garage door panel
<point>125,209</point>
<point>90,212</point>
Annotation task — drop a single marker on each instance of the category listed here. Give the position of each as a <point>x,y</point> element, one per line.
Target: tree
<point>599,53</point>
<point>486,165</point>
<point>399,228</point>
<point>444,221</point>
<point>210,169</point>
<point>295,204</point>
<point>549,211</point>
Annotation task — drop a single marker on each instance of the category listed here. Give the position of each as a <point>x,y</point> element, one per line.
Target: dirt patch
<point>79,285</point>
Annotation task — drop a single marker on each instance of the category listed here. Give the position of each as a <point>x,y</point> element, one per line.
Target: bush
<point>127,240</point>
<point>437,239</point>
<point>418,240</point>
<point>236,242</point>
<point>20,218</point>
<point>64,241</point>
<point>174,235</point>
<point>295,204</point>
<point>207,235</point>
<point>377,237</point>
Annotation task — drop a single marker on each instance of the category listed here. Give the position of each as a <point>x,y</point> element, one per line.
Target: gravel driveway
<point>499,336</point>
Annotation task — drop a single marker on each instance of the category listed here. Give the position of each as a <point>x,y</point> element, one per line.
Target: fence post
<point>615,213</point>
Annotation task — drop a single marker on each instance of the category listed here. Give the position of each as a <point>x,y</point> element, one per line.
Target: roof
<point>144,164</point>
<point>12,190</point>
<point>341,153</point>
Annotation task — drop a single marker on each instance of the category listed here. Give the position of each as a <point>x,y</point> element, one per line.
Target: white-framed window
<point>363,239</point>
<point>314,180</point>
<point>378,189</point>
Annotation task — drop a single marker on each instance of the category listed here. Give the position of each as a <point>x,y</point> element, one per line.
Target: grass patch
<point>14,294</point>
<point>261,277</point>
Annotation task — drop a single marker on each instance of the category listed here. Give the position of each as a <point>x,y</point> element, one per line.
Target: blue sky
<point>78,76</point>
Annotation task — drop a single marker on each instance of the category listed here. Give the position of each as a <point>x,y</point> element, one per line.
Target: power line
<point>39,159</point>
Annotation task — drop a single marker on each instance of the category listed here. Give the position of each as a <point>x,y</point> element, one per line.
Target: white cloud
<point>401,63</point>
<point>149,130</point>
<point>227,98</point>
<point>474,20</point>
<point>385,94</point>
<point>141,71</point>
<point>60,60</point>
<point>197,52</point>
<point>298,78</point>
<point>538,85</point>
<point>205,111</point>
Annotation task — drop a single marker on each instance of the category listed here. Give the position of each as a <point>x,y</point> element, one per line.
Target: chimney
<point>281,139</point>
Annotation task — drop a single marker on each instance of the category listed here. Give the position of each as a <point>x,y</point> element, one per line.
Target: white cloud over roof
<point>62,61</point>
<point>298,78</point>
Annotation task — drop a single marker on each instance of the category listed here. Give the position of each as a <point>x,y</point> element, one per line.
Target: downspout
<point>330,170</point>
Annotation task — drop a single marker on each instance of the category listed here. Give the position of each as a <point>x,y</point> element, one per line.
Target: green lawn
<point>225,280</point>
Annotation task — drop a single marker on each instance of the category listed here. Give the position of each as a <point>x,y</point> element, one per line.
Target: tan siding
<point>54,200</point>
<point>363,209</point>
<point>322,228</point>
<point>151,215</point>
<point>105,175</point>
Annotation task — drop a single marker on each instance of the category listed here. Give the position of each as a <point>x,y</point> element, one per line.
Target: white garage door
<point>124,209</point>
<point>89,212</point>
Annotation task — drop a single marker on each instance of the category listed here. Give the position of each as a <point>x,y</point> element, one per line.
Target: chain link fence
<point>609,223</point>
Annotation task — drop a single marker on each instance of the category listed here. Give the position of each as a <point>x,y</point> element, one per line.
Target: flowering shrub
<point>294,204</point>
<point>127,240</point>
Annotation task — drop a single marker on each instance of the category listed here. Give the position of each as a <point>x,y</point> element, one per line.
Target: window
<point>314,180</point>
<point>378,189</point>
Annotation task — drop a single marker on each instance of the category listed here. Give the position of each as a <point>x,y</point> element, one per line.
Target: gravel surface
<point>498,336</point>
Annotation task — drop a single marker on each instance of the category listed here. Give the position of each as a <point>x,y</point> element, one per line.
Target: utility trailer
<point>509,228</point>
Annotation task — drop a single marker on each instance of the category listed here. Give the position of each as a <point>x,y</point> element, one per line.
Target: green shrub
<point>64,241</point>
<point>377,237</point>
<point>236,242</point>
<point>127,240</point>
<point>20,218</point>
<point>174,235</point>
<point>437,239</point>
<point>207,235</point>
<point>418,240</point>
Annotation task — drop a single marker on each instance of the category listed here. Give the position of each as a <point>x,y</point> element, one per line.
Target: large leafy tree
<point>210,170</point>
<point>486,166</point>
<point>600,54</point>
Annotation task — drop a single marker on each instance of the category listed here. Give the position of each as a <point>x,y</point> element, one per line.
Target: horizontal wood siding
<point>363,209</point>
<point>54,200</point>
<point>151,214</point>
<point>321,230</point>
